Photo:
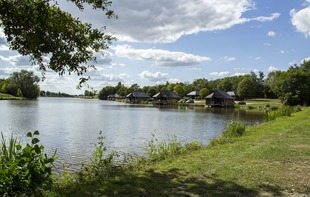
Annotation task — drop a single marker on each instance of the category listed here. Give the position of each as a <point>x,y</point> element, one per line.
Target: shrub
<point>283,111</point>
<point>101,166</point>
<point>24,170</point>
<point>234,129</point>
<point>250,107</point>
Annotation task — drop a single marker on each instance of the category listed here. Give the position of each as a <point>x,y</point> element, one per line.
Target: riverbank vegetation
<point>268,159</point>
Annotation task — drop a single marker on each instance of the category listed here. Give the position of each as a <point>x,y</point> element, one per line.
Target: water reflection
<point>72,125</point>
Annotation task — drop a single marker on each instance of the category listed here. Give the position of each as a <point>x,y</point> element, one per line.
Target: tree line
<point>292,87</point>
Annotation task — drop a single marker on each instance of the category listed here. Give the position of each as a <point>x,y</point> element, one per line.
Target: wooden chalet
<point>219,98</point>
<point>166,97</point>
<point>137,97</point>
<point>113,97</point>
<point>194,94</point>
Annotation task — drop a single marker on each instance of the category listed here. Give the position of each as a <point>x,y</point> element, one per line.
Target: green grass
<point>262,103</point>
<point>271,159</point>
<point>9,97</point>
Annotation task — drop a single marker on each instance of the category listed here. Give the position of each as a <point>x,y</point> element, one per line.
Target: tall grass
<point>8,150</point>
<point>232,130</point>
<point>159,150</point>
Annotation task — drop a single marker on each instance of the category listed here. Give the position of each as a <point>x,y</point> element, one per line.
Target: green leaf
<point>35,140</point>
<point>37,149</point>
<point>36,132</point>
<point>18,147</point>
<point>29,134</point>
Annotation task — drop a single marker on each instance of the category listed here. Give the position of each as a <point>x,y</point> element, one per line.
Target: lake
<point>72,125</point>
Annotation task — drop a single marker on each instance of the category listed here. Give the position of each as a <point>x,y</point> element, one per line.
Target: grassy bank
<point>9,97</point>
<point>271,159</point>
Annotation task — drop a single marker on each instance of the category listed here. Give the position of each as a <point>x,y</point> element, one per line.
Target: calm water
<point>72,125</point>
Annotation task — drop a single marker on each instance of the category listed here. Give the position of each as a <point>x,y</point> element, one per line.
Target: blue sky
<point>180,40</point>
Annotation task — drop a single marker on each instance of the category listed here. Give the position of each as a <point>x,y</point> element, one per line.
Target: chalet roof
<point>231,93</point>
<point>167,94</point>
<point>219,94</point>
<point>138,94</point>
<point>193,93</point>
<point>113,96</point>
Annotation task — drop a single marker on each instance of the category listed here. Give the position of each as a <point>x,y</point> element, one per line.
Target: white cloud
<point>174,80</point>
<point>266,18</point>
<point>240,74</point>
<point>17,60</point>
<point>257,58</point>
<point>103,57</point>
<point>163,21</point>
<point>4,48</point>
<point>267,44</point>
<point>282,52</point>
<point>155,77</point>
<point>301,20</point>
<point>305,59</point>
<point>2,37</point>
<point>110,77</point>
<point>255,70</point>
<point>159,57</point>
<point>219,74</point>
<point>194,69</point>
<point>272,68</point>
<point>229,59</point>
<point>271,33</point>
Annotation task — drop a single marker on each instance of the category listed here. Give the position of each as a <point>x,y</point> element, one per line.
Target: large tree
<point>245,88</point>
<point>179,90</point>
<point>105,92</point>
<point>24,83</point>
<point>295,86</point>
<point>39,28</point>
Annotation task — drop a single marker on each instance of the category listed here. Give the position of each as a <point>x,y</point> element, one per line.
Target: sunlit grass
<point>271,159</point>
<point>9,97</point>
<point>262,104</point>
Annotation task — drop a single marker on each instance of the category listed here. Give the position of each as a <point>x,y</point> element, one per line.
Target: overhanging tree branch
<point>38,28</point>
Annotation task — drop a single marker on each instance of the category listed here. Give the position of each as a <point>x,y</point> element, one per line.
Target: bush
<point>283,111</point>
<point>250,107</point>
<point>234,129</point>
<point>24,170</point>
<point>101,166</point>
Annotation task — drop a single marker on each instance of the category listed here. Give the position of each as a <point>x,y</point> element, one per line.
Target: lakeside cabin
<point>137,97</point>
<point>220,98</point>
<point>113,97</point>
<point>166,97</point>
<point>194,94</point>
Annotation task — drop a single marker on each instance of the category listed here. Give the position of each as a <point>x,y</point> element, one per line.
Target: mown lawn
<point>271,159</point>
<point>261,103</point>
<point>9,97</point>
